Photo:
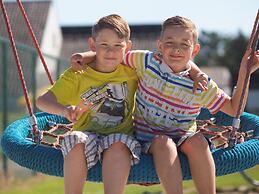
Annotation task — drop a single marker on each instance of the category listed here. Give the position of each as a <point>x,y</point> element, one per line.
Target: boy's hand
<point>70,113</point>
<point>200,82</point>
<point>77,62</point>
<point>82,107</point>
<point>255,60</point>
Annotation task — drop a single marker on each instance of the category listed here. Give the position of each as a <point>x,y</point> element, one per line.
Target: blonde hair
<point>180,22</point>
<point>113,22</point>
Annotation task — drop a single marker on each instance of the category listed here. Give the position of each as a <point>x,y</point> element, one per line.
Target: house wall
<point>221,75</point>
<point>51,45</point>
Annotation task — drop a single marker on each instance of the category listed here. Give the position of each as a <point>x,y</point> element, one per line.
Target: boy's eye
<point>104,44</point>
<point>185,45</point>
<point>118,46</point>
<point>169,43</point>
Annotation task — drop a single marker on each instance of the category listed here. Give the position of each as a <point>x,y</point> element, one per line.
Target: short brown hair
<point>181,22</point>
<point>113,22</point>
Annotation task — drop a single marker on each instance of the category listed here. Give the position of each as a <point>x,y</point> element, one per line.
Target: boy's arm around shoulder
<point>79,61</point>
<point>200,79</point>
<point>136,59</point>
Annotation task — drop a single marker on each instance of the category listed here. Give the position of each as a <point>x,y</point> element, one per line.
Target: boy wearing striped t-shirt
<point>167,108</point>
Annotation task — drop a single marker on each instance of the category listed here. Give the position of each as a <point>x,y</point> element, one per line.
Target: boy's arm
<point>48,103</point>
<point>200,78</point>
<point>78,61</point>
<point>231,105</point>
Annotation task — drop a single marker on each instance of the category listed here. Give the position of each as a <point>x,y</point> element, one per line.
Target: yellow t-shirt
<point>112,95</point>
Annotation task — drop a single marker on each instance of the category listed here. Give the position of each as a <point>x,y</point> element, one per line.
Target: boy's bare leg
<point>75,170</point>
<point>201,163</point>
<point>115,168</point>
<point>167,164</point>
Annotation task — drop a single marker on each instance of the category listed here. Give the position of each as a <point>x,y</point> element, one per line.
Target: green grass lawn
<point>42,184</point>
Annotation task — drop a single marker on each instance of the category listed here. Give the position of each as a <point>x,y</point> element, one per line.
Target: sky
<point>223,16</point>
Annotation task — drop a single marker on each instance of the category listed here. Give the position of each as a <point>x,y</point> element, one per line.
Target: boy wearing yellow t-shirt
<point>99,101</point>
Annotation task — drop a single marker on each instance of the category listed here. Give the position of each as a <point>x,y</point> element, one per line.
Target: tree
<point>220,50</point>
<point>234,49</point>
<point>211,48</point>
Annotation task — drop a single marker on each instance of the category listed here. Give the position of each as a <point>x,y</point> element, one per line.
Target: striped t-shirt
<point>165,103</point>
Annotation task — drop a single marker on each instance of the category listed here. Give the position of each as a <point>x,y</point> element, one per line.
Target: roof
<point>37,13</point>
<point>75,38</point>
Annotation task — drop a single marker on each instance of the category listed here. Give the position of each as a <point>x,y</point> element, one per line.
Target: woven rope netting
<point>219,135</point>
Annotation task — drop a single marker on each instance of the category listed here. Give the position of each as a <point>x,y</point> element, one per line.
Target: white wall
<point>51,45</point>
<point>221,76</point>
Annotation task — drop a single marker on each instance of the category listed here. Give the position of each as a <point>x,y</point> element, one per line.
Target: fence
<point>12,105</point>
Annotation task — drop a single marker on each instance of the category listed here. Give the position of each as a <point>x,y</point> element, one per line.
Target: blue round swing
<point>49,160</point>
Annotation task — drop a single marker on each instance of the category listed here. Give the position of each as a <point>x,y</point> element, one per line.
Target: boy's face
<point>109,48</point>
<point>177,47</point>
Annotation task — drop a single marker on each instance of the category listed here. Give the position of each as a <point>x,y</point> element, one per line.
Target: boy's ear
<point>159,45</point>
<point>129,45</point>
<point>91,44</point>
<point>196,50</point>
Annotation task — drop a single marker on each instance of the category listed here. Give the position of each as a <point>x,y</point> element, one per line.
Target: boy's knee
<point>162,143</point>
<point>118,149</point>
<point>78,147</point>
<point>196,142</point>
<point>76,151</point>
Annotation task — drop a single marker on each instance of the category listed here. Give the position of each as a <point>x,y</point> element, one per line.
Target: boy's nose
<point>111,49</point>
<point>176,50</point>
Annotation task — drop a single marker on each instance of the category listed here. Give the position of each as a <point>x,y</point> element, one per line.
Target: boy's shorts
<point>95,144</point>
<point>145,145</point>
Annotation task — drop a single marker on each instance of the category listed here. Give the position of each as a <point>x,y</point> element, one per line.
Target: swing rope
<point>36,135</point>
<point>35,42</point>
<point>252,43</point>
<point>33,120</point>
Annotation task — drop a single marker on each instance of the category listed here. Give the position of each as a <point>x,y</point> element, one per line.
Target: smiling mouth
<point>176,57</point>
<point>110,59</point>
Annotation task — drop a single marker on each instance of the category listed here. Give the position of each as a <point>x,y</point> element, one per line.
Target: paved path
<point>14,170</point>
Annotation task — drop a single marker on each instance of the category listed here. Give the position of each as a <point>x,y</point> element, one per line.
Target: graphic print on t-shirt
<point>110,105</point>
